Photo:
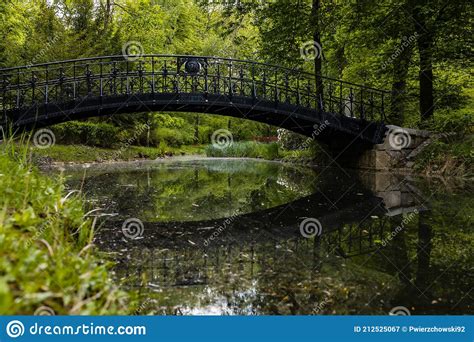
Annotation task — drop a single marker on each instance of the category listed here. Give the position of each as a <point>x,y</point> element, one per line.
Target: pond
<point>251,237</point>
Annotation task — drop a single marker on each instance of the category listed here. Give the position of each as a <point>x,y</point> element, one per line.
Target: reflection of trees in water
<point>425,266</point>
<point>269,276</point>
<point>196,192</point>
<point>346,272</point>
<point>430,262</point>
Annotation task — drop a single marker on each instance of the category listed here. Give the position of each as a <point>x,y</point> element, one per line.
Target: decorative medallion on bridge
<point>192,66</point>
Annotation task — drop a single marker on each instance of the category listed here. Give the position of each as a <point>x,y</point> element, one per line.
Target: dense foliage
<point>419,49</point>
<point>47,256</point>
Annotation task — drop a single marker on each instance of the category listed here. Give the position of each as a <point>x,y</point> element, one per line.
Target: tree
<point>431,18</point>
<point>318,68</point>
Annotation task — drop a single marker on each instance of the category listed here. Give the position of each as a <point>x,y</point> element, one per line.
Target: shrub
<point>173,137</point>
<point>249,149</point>
<point>291,141</point>
<point>459,121</point>
<point>87,133</point>
<point>454,157</point>
<point>168,121</point>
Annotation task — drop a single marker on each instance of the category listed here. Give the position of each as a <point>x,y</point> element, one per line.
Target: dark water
<point>241,237</point>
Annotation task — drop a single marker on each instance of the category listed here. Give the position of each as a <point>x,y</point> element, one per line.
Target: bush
<point>87,133</point>
<point>168,121</point>
<point>291,141</point>
<point>173,137</point>
<point>459,121</point>
<point>249,149</point>
<point>454,157</point>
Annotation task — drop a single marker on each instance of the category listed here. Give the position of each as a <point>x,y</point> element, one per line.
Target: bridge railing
<point>24,88</point>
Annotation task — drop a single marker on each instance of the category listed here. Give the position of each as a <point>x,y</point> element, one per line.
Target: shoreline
<point>137,163</point>
<point>76,156</point>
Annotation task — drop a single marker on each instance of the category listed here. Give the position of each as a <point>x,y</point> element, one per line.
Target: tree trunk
<point>425,48</point>
<point>399,78</point>
<point>426,79</point>
<point>425,235</point>
<point>196,129</point>
<point>315,13</point>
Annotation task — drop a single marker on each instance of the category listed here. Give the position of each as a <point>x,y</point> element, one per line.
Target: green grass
<point>47,255</point>
<point>453,158</point>
<point>248,149</point>
<point>84,154</point>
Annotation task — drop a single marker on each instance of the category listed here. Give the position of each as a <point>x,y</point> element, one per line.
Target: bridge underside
<point>337,113</point>
<point>325,127</point>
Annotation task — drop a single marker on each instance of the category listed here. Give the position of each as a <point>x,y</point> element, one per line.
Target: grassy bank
<point>272,151</point>
<point>454,158</point>
<point>247,149</point>
<point>85,154</point>
<point>47,256</point>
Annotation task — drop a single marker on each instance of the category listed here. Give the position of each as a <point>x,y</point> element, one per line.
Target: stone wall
<point>398,151</point>
<point>399,193</point>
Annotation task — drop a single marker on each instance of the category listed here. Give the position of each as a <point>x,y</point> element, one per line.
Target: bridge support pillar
<point>399,193</point>
<point>397,152</point>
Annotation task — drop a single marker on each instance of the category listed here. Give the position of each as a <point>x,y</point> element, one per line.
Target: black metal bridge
<point>42,95</point>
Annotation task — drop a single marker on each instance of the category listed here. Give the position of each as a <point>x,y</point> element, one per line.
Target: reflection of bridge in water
<point>193,266</point>
<point>176,253</point>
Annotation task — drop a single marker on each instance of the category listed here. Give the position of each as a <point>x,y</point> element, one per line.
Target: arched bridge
<point>41,95</point>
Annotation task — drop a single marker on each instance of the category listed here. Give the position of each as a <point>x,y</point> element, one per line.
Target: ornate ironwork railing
<point>27,87</point>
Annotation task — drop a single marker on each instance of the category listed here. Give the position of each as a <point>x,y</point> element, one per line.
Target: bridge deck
<point>40,95</point>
